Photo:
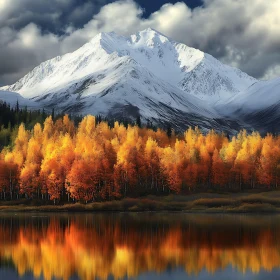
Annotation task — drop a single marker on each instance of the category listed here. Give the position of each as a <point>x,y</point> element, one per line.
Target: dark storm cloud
<point>242,33</point>
<point>50,15</point>
<point>43,19</point>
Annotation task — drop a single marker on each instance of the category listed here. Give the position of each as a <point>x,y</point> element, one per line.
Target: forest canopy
<point>95,162</point>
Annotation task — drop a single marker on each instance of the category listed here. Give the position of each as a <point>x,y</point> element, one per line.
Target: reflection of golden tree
<point>97,248</point>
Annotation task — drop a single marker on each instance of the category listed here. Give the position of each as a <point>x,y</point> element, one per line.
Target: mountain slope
<point>12,98</point>
<point>258,106</point>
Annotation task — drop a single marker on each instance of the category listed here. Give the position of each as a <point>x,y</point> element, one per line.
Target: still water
<point>139,246</point>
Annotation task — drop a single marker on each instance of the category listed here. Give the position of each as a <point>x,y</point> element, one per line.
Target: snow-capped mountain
<point>145,74</point>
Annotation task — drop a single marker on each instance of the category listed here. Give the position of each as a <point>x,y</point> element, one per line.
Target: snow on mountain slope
<point>262,94</point>
<point>147,71</point>
<point>12,98</point>
<point>215,82</point>
<point>258,106</point>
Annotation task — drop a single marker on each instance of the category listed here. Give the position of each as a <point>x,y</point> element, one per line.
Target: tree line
<point>12,117</point>
<point>96,162</point>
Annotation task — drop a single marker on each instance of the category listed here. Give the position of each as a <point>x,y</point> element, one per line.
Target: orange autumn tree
<point>220,172</point>
<point>52,173</point>
<point>173,167</point>
<point>14,161</point>
<point>82,177</point>
<point>58,157</point>
<point>269,167</point>
<point>125,168</point>
<point>82,182</point>
<point>29,174</point>
<point>4,178</point>
<point>152,161</point>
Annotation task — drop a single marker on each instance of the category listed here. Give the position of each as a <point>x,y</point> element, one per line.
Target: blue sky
<point>152,6</point>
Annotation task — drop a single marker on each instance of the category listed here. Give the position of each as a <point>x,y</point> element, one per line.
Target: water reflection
<point>147,246</point>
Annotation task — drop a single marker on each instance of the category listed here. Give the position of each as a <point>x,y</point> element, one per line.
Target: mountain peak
<point>149,37</point>
<point>105,36</point>
<point>150,30</point>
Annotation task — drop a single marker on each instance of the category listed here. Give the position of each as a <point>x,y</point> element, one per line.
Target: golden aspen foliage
<point>96,161</point>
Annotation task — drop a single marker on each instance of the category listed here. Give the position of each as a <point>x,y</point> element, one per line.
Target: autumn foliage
<point>122,247</point>
<point>94,161</point>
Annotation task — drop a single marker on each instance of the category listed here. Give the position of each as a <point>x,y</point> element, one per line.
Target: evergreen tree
<point>169,131</point>
<point>138,121</point>
<point>17,107</point>
<point>53,113</point>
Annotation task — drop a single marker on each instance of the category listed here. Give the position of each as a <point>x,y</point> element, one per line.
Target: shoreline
<point>204,212</point>
<point>235,203</point>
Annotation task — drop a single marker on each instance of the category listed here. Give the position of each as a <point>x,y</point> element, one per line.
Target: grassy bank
<point>265,202</point>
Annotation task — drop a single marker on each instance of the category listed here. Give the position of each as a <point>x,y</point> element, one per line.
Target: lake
<point>139,246</point>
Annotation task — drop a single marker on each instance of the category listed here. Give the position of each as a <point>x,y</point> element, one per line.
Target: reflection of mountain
<point>99,246</point>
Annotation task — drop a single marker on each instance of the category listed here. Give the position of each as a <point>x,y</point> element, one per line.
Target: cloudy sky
<point>242,33</point>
